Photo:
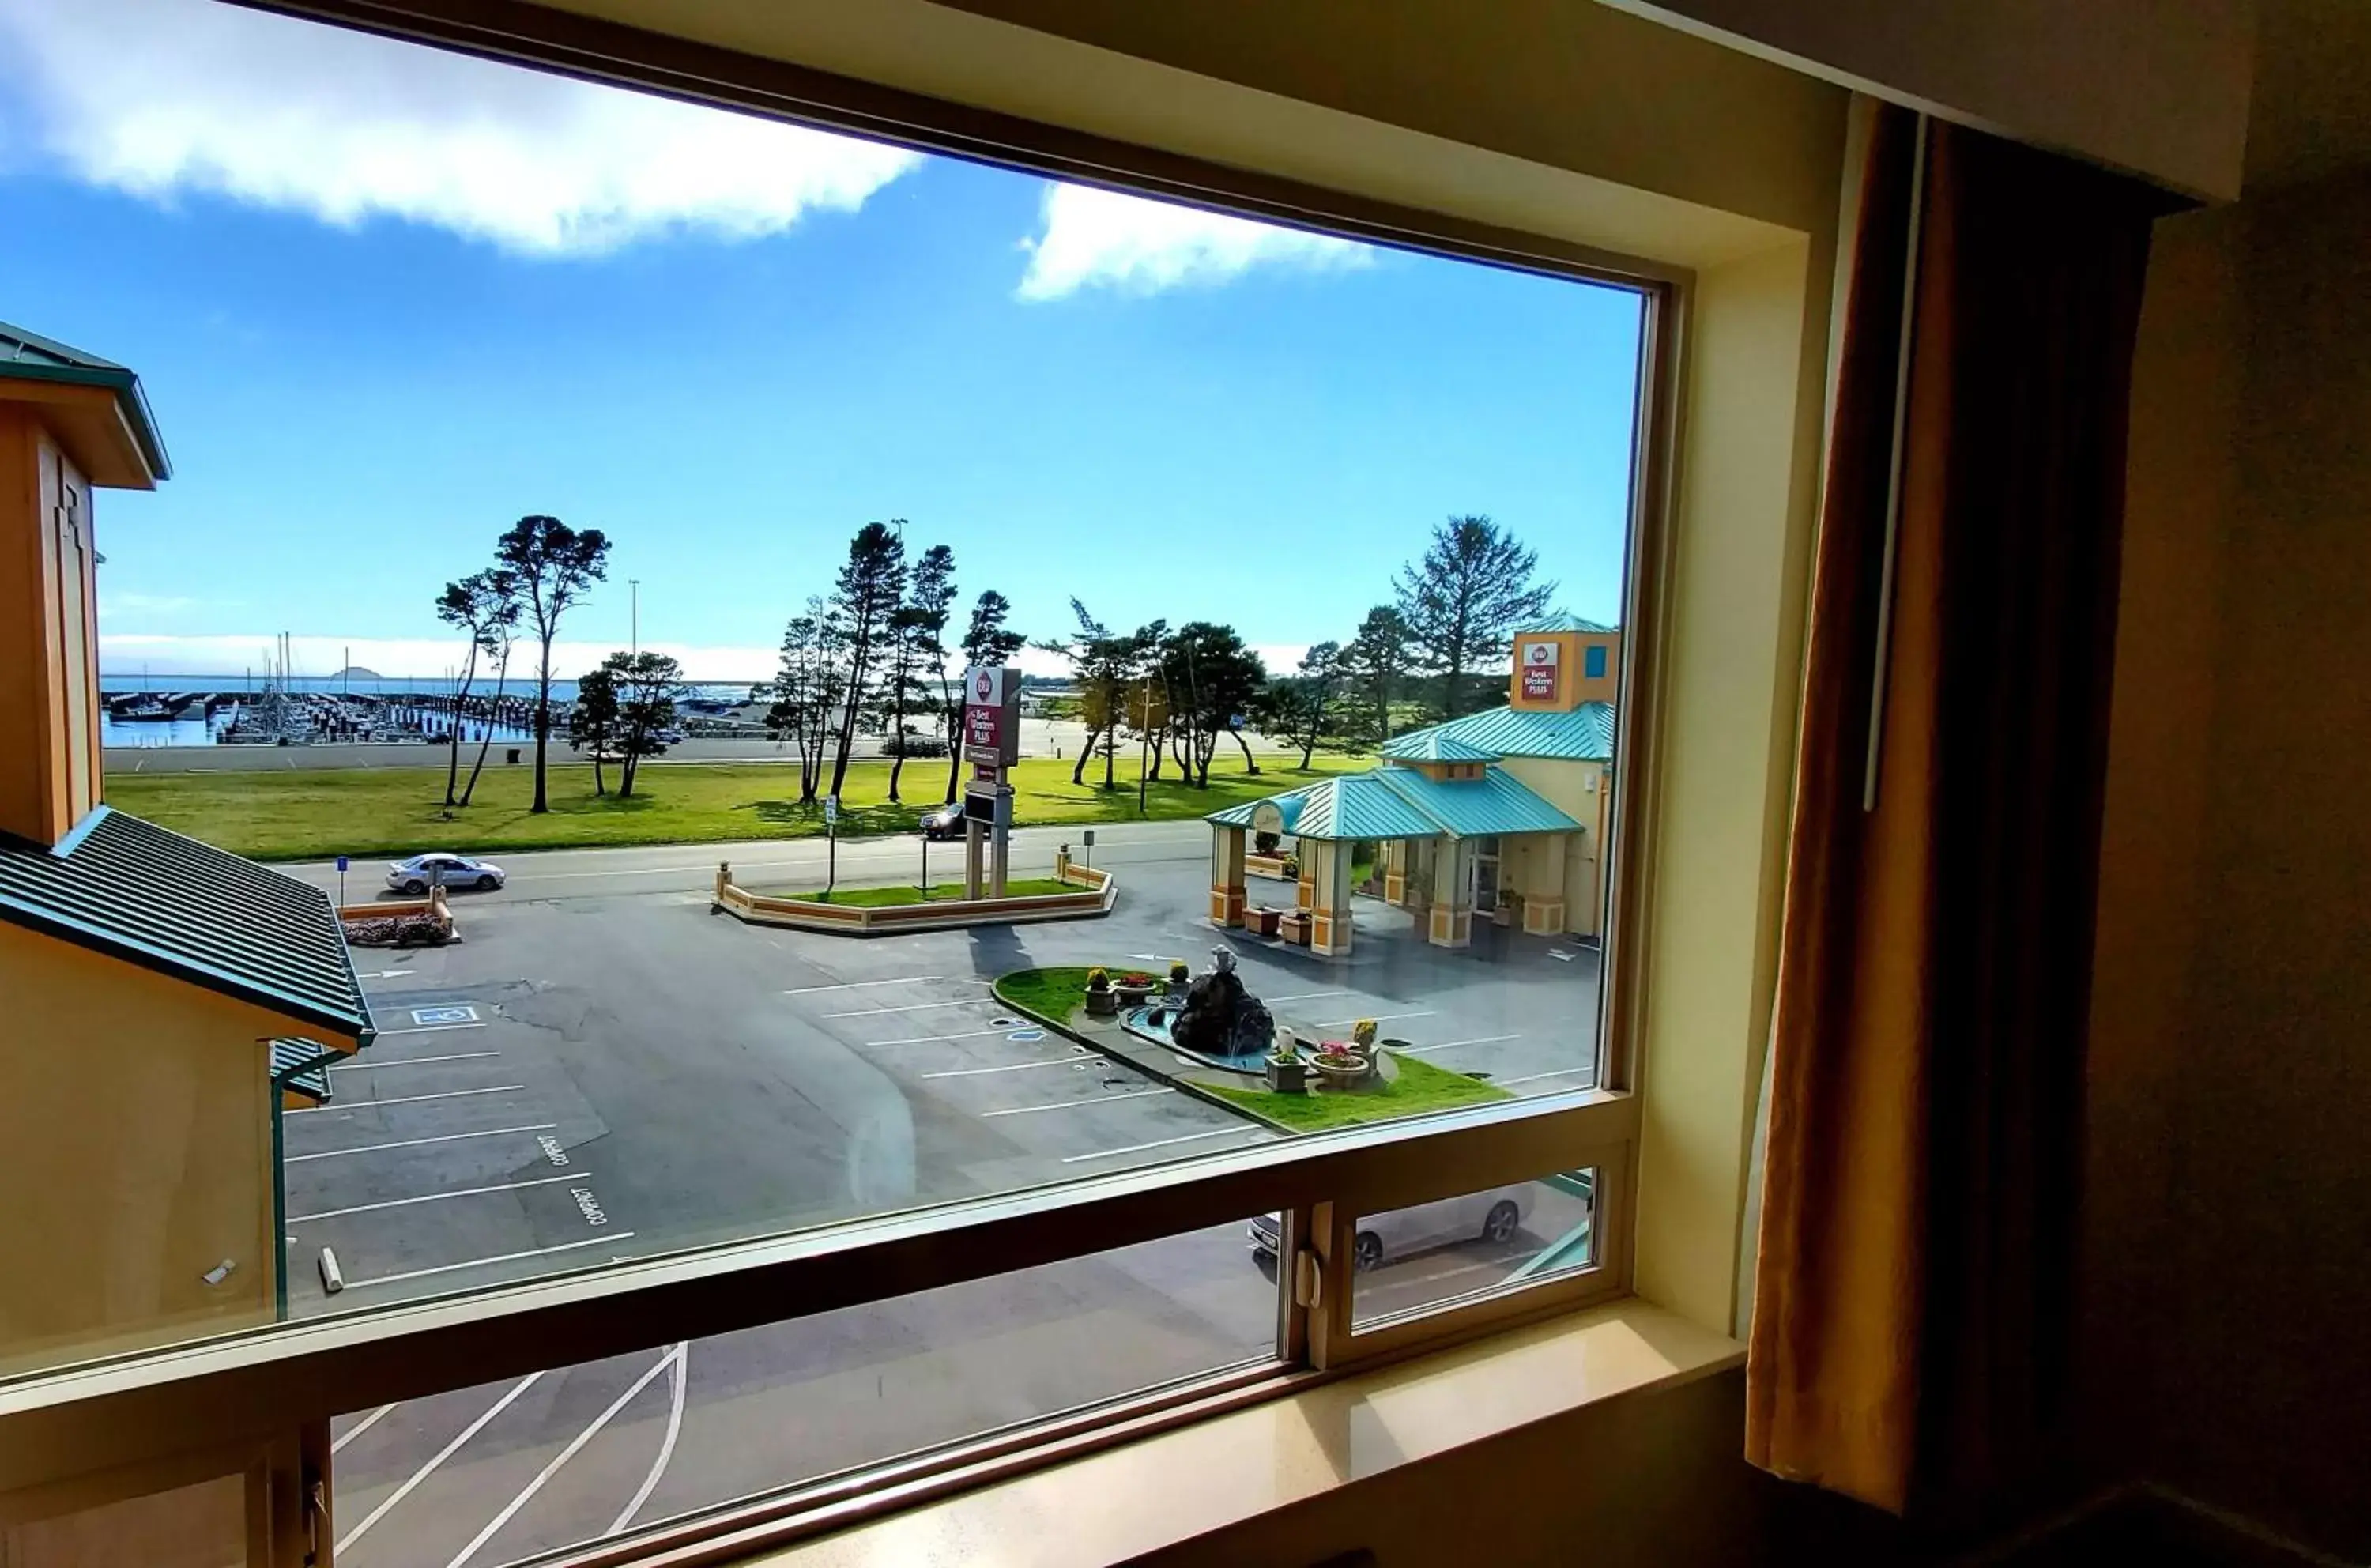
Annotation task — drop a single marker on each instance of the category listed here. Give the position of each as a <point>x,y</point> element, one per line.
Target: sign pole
<point>341,881</point>
<point>831,843</point>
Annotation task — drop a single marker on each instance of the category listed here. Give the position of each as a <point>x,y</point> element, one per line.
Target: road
<point>603,1068</point>
<point>777,862</point>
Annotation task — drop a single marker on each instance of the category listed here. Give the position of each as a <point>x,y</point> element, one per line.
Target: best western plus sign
<point>983,713</point>
<point>1539,670</point>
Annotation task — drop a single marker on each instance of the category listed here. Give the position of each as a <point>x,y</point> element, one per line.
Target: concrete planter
<point>1263,921</point>
<point>1133,996</point>
<point>1104,1003</point>
<point>1288,1076</point>
<point>1344,1074</point>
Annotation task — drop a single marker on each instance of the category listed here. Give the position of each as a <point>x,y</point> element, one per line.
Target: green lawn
<point>882,897</point>
<point>1053,993</point>
<point>296,815</point>
<point>1420,1086</point>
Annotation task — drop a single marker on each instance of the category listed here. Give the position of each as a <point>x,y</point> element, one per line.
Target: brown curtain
<point>1913,1310</point>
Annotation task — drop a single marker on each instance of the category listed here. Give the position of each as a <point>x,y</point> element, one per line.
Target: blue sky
<point>386,300</point>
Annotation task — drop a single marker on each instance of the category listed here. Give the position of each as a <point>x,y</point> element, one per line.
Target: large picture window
<point>949,798</point>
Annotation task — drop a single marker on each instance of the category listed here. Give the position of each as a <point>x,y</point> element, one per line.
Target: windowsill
<point>1174,1486</point>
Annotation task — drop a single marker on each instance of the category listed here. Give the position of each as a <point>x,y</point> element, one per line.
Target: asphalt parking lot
<point>602,1077</point>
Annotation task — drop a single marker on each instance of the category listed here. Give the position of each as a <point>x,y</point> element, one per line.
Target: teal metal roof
<point>1287,804</point>
<point>31,357</point>
<point>1583,735</point>
<point>1432,745</point>
<point>1399,802</point>
<point>1565,620</point>
<point>1477,808</point>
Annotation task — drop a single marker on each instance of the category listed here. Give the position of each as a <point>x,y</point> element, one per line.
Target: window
<point>1593,661</point>
<point>1279,903</point>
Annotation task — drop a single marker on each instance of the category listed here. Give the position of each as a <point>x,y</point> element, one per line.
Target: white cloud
<point>1099,238</point>
<point>160,97</point>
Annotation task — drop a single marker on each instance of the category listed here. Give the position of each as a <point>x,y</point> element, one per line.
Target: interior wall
<point>2121,82</point>
<point>2230,1235</point>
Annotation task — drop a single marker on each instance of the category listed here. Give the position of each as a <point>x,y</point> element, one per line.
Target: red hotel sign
<point>1539,671</point>
<point>991,714</point>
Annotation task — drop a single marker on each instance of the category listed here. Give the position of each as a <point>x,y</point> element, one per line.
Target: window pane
<point>1036,681</point>
<point>488,1474</point>
<point>1416,1258</point>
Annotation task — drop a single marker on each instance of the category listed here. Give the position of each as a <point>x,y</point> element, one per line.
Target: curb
<point>1172,1080</point>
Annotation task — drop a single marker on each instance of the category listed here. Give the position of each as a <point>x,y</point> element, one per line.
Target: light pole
<point>634,589</point>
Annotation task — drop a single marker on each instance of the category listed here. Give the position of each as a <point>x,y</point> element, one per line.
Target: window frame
<point>274,1389</point>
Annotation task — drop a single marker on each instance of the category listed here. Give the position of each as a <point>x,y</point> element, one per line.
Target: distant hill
<point>357,672</point>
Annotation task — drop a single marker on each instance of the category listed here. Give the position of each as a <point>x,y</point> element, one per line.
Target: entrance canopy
<point>1391,801</point>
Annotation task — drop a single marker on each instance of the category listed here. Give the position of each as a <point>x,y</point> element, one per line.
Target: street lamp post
<point>634,589</point>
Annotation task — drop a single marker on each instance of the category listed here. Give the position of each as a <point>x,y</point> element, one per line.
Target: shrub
<point>1097,980</point>
<point>1363,1032</point>
<point>913,745</point>
<point>1181,972</point>
<point>1265,843</point>
<point>1293,866</point>
<point>1136,977</point>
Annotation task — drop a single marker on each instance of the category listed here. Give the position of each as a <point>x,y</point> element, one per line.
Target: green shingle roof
<point>303,1065</point>
<point>1583,735</point>
<point>1399,802</point>
<point>152,897</point>
<point>30,356</point>
<point>1565,620</point>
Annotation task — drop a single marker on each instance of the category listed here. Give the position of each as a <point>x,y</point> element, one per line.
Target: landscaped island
<point>1399,1085</point>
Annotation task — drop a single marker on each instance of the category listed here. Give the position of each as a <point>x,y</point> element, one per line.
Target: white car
<point>1494,1216</point>
<point>421,872</point>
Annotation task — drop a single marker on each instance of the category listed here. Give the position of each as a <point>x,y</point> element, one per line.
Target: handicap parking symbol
<point>1026,1036</point>
<point>461,1013</point>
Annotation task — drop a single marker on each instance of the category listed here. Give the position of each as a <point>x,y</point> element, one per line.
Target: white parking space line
<point>1157,1143</point>
<point>576,1446</point>
<point>1372,1018</point>
<point>1453,1044</point>
<point>407,1099</point>
<point>415,1061</point>
<point>359,1427</point>
<point>666,1444</point>
<point>1066,1104</point>
<point>1010,1067</point>
<point>438,1197</point>
<point>1305,997</point>
<point>346,1541</point>
<point>915,1007</point>
<point>901,980</point>
<point>926,1039</point>
<point>498,1258</point>
<point>415,1143</point>
<point>430,1029</point>
<point>1535,1077</point>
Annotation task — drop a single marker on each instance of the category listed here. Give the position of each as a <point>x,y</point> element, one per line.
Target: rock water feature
<point>1217,1022</point>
